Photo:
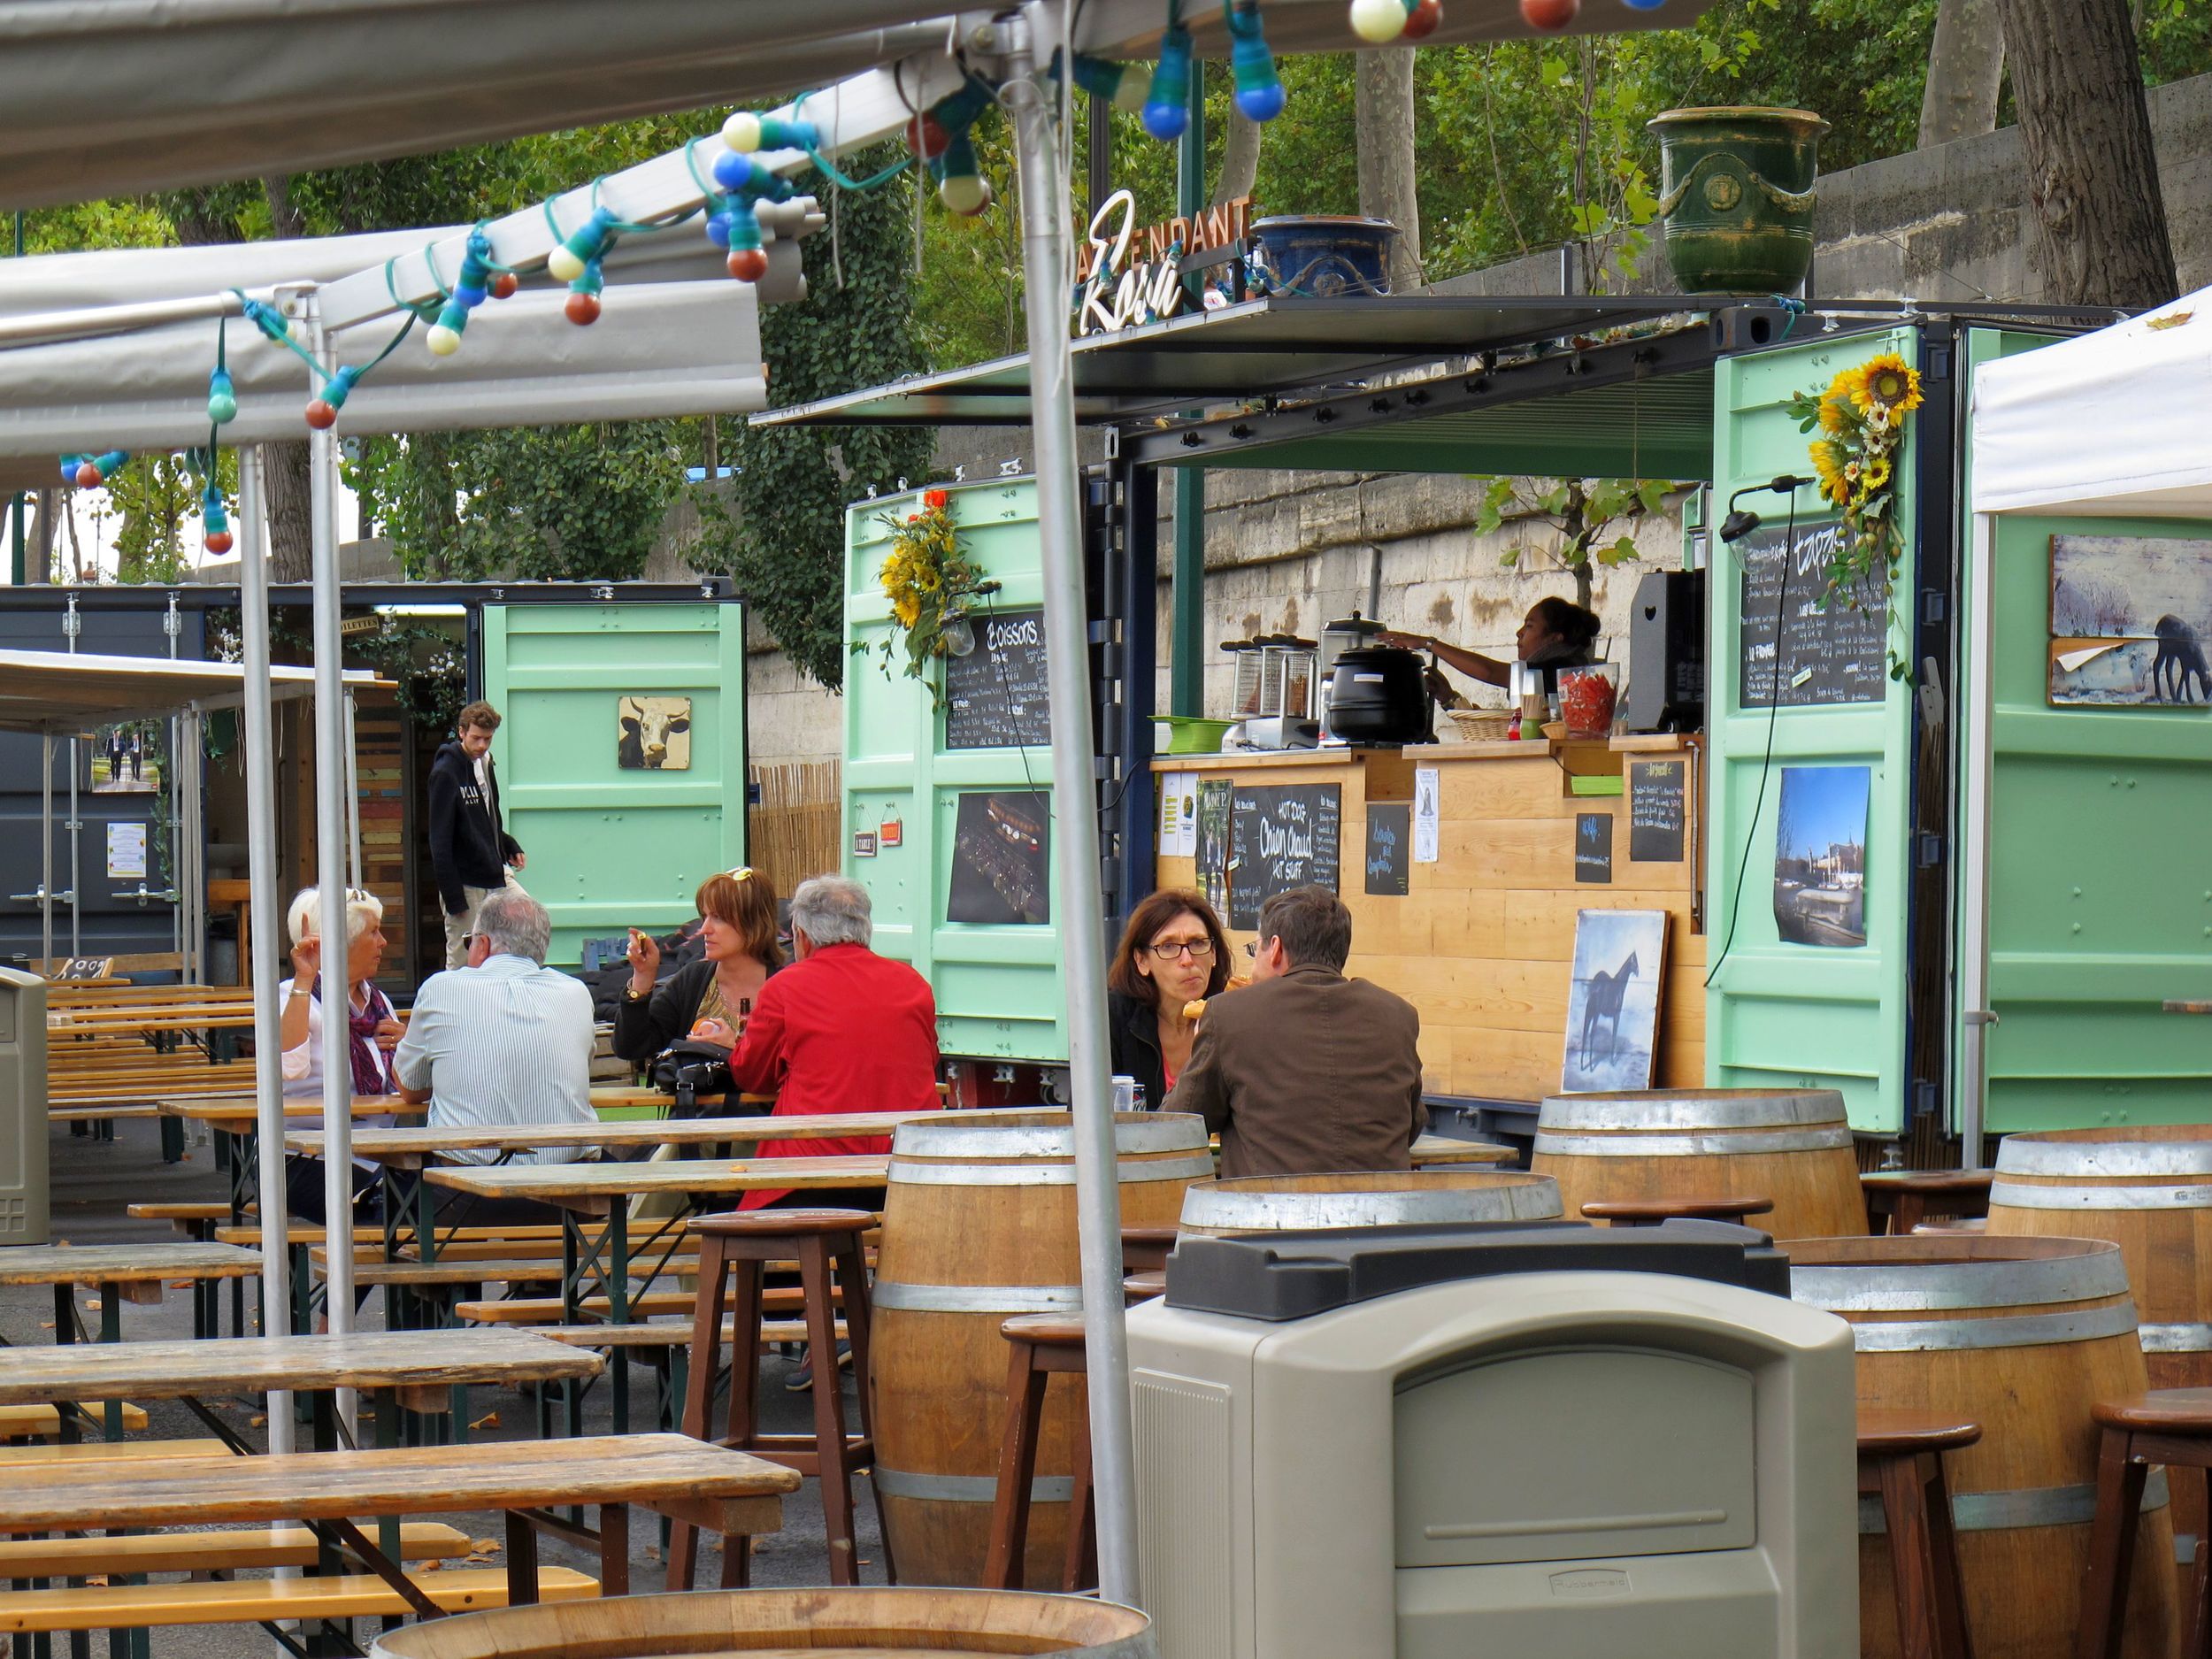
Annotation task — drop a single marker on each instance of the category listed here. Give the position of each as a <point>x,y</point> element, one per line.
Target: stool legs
<point>1924,1557</point>
<point>2120,1480</point>
<point>1016,1468</point>
<point>1081,1571</point>
<point>706,1336</point>
<point>829,1409</point>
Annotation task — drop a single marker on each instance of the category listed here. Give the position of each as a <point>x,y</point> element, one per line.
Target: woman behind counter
<point>737,913</point>
<point>1173,952</point>
<point>1556,633</point>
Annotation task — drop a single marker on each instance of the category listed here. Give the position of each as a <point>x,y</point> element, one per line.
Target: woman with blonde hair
<point>708,998</point>
<point>373,1029</point>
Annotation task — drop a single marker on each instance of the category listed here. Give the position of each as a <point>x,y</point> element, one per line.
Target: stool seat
<point>1892,1431</point>
<point>796,1224</point>
<point>1046,1330</point>
<point>2161,1411</point>
<point>1145,1287</point>
<point>1144,1249</point>
<point>1641,1212</point>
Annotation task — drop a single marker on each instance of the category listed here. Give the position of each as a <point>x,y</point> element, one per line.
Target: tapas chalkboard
<point>1658,809</point>
<point>1593,846</point>
<point>1837,655</point>
<point>995,695</point>
<point>1389,848</point>
<point>1280,836</point>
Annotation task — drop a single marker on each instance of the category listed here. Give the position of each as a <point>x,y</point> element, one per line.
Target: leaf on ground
<point>489,1420</point>
<point>483,1546</point>
<point>257,1422</point>
<point>2173,320</point>
<point>429,1566</point>
<point>179,1284</point>
<point>97,1581</point>
<point>45,1324</point>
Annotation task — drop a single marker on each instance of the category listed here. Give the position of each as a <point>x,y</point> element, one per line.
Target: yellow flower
<point>926,580</point>
<point>908,611</point>
<point>1828,460</point>
<point>1834,415</point>
<point>1888,381</point>
<point>1877,475</point>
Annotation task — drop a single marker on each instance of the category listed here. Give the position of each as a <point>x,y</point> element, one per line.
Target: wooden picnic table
<point>415,1148</point>
<point>1429,1150</point>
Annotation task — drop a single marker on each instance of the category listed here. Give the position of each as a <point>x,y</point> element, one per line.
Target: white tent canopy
<point>2108,423</point>
<point>64,694</point>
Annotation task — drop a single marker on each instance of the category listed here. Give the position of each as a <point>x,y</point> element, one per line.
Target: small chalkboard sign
<point>1280,836</point>
<point>1593,846</point>
<point>1389,848</point>
<point>995,695</point>
<point>1658,809</point>
<point>1837,655</point>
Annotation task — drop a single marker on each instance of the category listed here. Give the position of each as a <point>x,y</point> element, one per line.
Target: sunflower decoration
<point>1860,417</point>
<point>931,583</point>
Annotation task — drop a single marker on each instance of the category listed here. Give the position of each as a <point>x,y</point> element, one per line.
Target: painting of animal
<point>1613,1000</point>
<point>653,733</point>
<point>2131,620</point>
<point>2179,672</point>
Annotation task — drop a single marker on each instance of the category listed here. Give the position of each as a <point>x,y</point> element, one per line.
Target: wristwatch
<point>631,996</point>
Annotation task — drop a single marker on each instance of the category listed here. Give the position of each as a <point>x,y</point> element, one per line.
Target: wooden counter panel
<point>1482,946</point>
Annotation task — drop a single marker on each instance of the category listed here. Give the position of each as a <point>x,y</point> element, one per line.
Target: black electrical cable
<point>1774,713</point>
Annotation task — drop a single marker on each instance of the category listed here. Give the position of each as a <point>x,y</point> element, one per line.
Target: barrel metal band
<point>1691,1145</point>
<point>1996,1282</point>
<point>1163,1132</point>
<point>2015,1196</point>
<point>2032,1330</point>
<point>2031,1506</point>
<point>1536,1199</point>
<point>1198,1167</point>
<point>2176,1339</point>
<point>2024,1154</point>
<point>891,1293</point>
<point>1644,1111</point>
<point>903,1483</point>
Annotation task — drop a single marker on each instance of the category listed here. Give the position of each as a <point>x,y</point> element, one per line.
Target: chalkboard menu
<point>1280,836</point>
<point>1836,654</point>
<point>1593,846</point>
<point>995,695</point>
<point>1658,809</point>
<point>1389,845</point>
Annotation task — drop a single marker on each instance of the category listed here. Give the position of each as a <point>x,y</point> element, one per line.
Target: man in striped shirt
<point>503,1040</point>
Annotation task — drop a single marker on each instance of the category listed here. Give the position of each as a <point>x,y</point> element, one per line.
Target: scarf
<point>372,1071</point>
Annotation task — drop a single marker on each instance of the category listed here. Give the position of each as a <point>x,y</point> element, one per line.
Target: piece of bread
<point>1193,1009</point>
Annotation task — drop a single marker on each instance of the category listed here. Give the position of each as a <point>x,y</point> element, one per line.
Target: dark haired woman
<point>703,999</point>
<point>1556,633</point>
<point>1172,953</point>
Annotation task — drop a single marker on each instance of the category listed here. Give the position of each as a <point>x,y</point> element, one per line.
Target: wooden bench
<point>243,1549</point>
<point>214,1211</point>
<point>41,1457</point>
<point>42,1422</point>
<point>263,1600</point>
<point>549,1310</point>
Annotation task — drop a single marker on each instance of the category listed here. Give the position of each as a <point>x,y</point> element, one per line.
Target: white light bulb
<point>563,264</point>
<point>742,131</point>
<point>966,194</point>
<point>1135,88</point>
<point>443,342</point>
<point>1377,21</point>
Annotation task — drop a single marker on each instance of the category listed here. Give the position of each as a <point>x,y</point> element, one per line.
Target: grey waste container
<point>23,1145</point>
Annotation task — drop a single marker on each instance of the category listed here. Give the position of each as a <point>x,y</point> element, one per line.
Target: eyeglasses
<point>1199,949</point>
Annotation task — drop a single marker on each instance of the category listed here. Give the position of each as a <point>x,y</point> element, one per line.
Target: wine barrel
<point>847,1623</point>
<point>2022,1336</point>
<point>1793,1145</point>
<point>1275,1203</point>
<point>979,1225</point>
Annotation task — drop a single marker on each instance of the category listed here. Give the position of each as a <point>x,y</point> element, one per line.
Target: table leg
<point>618,1246</point>
<point>614,1549</point>
<point>522,1560</point>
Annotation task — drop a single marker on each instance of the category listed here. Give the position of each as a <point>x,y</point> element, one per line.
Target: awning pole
<point>330,863</point>
<point>1979,711</point>
<point>1049,281</point>
<point>46,851</point>
<point>265,918</point>
<point>72,625</point>
<point>353,795</point>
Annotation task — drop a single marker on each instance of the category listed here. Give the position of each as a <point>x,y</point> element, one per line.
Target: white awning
<point>2111,423</point>
<point>65,693</point>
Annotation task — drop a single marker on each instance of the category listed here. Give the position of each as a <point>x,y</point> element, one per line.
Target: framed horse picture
<point>1613,1002</point>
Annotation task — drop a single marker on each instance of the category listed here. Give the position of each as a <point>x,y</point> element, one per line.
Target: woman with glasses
<point>705,999</point>
<point>1173,952</point>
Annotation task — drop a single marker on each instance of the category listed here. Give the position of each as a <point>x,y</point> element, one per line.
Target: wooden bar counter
<point>1482,940</point>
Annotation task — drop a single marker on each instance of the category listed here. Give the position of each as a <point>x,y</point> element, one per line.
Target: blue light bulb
<point>1259,94</point>
<point>718,227</point>
<point>1167,107</point>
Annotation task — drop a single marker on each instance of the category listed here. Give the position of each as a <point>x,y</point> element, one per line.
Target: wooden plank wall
<point>793,827</point>
<point>1483,945</point>
<point>389,830</point>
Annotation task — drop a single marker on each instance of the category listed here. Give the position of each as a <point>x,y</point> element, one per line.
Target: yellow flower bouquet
<point>1860,417</point>
<point>931,584</point>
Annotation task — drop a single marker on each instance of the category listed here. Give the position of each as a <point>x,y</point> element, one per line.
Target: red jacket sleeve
<point>757,1063</point>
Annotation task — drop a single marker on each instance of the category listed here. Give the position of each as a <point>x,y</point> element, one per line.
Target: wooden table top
<point>408,1149</point>
<point>242,1110</point>
<point>408,1480</point>
<point>576,1184</point>
<point>124,1264</point>
<point>1432,1150</point>
<point>372,1359</point>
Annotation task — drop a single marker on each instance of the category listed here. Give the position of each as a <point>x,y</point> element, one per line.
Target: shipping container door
<point>621,756</point>
<point>945,804</point>
<point>1812,768</point>
<point>2100,858</point>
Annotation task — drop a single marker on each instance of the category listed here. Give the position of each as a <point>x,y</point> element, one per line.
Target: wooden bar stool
<point>1043,1345</point>
<point>1649,1212</point>
<point>826,1243</point>
<point>2172,1426</point>
<point>1145,1250</point>
<point>1898,1201</point>
<point>1901,1462</point>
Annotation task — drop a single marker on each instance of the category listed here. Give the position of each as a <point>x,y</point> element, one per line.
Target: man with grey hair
<point>841,1030</point>
<point>504,1040</point>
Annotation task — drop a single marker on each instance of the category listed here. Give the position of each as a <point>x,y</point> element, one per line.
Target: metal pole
<point>172,626</point>
<point>1187,624</point>
<point>330,863</point>
<point>46,852</point>
<point>72,624</point>
<point>1045,218</point>
<point>18,565</point>
<point>353,795</point>
<point>190,879</point>
<point>261,902</point>
<point>1978,699</point>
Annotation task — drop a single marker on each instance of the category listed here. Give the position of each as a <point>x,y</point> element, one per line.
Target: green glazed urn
<point>1737,197</point>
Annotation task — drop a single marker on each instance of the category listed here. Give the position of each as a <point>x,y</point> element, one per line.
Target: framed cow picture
<point>653,733</point>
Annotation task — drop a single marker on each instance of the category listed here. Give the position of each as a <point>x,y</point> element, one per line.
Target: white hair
<point>516,924</point>
<point>306,917</point>
<point>832,910</point>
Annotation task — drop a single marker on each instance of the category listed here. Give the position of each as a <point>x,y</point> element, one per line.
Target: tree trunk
<point>288,222</point>
<point>291,512</point>
<point>1382,120</point>
<point>2092,175</point>
<point>1965,67</point>
<point>1239,158</point>
<point>41,550</point>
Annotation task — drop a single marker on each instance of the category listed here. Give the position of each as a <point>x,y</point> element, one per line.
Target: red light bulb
<point>582,308</point>
<point>88,476</point>
<point>503,285</point>
<point>926,137</point>
<point>749,264</point>
<point>1422,20</point>
<point>219,542</point>
<point>321,416</point>
<point>1550,15</point>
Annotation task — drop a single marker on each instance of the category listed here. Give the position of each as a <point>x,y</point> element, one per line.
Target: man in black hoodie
<point>469,848</point>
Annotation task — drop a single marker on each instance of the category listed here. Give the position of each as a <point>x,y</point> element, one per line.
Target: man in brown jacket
<point>1307,1071</point>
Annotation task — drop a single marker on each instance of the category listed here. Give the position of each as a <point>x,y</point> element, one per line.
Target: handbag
<point>689,1069</point>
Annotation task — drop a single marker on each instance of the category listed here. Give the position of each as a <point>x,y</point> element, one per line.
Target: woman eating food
<point>706,999</point>
<point>1172,956</point>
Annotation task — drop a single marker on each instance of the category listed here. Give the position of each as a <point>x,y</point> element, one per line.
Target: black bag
<point>688,1069</point>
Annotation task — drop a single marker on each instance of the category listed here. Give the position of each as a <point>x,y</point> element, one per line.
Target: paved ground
<point>94,1180</point>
